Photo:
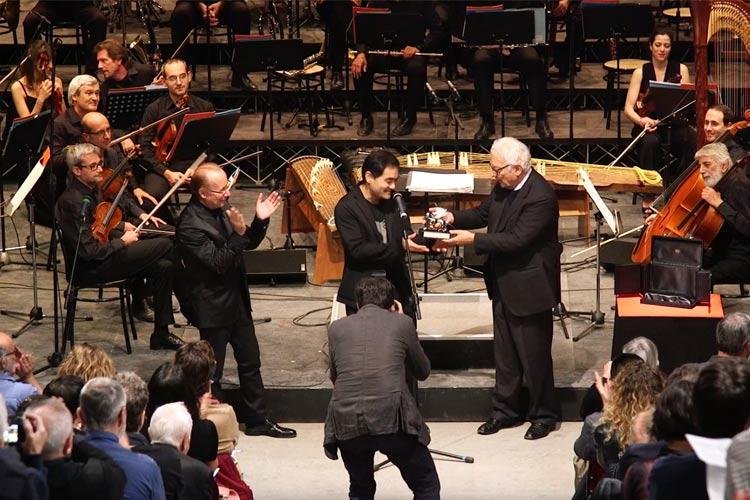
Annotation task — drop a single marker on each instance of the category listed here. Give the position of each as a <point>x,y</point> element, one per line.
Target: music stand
<point>500,28</point>
<point>390,32</point>
<point>195,136</point>
<point>125,107</point>
<point>254,53</point>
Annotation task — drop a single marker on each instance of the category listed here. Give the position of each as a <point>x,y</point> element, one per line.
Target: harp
<point>725,24</point>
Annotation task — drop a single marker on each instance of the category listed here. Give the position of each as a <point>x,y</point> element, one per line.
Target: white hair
<point>57,421</point>
<point>101,401</point>
<point>80,81</point>
<point>514,151</point>
<point>716,150</point>
<point>75,152</point>
<point>169,424</point>
<point>645,349</point>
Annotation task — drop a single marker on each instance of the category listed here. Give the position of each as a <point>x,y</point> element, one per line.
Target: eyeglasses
<point>101,132</point>
<point>500,169</point>
<point>93,166</point>
<point>174,78</point>
<point>15,352</point>
<point>218,191</point>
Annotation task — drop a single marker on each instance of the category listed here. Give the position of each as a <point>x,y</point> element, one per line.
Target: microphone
<point>87,201</point>
<point>435,98</point>
<point>454,90</point>
<point>401,205</point>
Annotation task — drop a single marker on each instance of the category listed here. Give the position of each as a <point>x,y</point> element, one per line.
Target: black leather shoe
<point>543,130</point>
<point>270,429</point>
<point>365,126</point>
<point>242,81</point>
<point>493,425</point>
<point>337,80</point>
<point>143,312</point>
<point>169,342</point>
<point>404,128</point>
<point>485,131</point>
<point>538,430</point>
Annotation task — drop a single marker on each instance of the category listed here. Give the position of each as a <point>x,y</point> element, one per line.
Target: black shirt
<point>734,237</point>
<point>139,75</point>
<point>66,130</point>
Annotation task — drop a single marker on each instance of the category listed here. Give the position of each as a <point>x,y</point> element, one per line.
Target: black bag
<point>674,277</point>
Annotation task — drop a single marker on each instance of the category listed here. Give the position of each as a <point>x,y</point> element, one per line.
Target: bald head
<point>209,184</point>
<point>96,130</point>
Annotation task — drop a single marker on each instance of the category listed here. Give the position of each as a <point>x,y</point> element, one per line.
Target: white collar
<point>520,184</point>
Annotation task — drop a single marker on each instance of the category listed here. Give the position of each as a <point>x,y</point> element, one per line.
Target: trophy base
<point>435,235</point>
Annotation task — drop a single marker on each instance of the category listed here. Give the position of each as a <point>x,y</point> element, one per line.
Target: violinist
<point>33,93</point>
<point>118,70</point>
<point>681,138</point>
<point>124,254</point>
<point>162,175</point>
<point>718,119</point>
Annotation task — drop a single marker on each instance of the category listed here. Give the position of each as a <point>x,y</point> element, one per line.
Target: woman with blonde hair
<point>87,361</point>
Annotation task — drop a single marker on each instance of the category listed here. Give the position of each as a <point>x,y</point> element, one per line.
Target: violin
<point>686,214</point>
<point>166,133</point>
<point>45,65</point>
<point>107,214</point>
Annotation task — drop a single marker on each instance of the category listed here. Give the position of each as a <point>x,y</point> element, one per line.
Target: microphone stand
<point>412,283</point>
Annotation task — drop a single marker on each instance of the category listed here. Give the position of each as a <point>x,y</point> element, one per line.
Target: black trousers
<point>523,354</point>
<point>152,259</point>
<point>729,269</point>
<point>187,15</point>
<point>241,335</point>
<point>83,13</point>
<point>574,25</point>
<point>336,16</point>
<point>415,69</point>
<point>680,139</point>
<point>485,63</point>
<point>412,458</point>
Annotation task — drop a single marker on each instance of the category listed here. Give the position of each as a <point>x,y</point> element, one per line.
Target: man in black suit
<point>213,284</point>
<point>371,231</point>
<point>184,477</point>
<point>371,408</point>
<point>523,254</point>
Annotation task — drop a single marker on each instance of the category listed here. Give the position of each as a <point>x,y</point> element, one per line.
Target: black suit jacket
<point>197,480</point>
<point>184,477</point>
<point>211,280</point>
<point>365,254</point>
<point>523,252</point>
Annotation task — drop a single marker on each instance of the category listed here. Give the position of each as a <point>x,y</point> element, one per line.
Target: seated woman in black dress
<point>33,93</point>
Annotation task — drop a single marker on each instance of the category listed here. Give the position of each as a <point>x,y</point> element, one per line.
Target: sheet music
<point>425,182</point>
<point>29,182</point>
<point>598,202</point>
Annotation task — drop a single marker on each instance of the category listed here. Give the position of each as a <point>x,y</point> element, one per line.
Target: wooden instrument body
<point>166,133</point>
<point>98,227</point>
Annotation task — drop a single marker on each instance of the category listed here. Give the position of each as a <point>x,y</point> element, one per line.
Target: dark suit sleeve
<point>362,250</point>
<point>148,153</point>
<point>736,213</point>
<point>473,218</point>
<point>255,233</point>
<point>331,354</point>
<point>59,141</point>
<point>89,249</point>
<point>536,219</point>
<point>416,360</point>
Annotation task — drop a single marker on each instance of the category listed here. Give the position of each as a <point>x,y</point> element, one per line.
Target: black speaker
<point>272,267</point>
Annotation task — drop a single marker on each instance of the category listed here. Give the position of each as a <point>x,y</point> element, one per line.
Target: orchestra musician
<point>364,66</point>
<point>161,176</point>
<point>571,11</point>
<point>371,232</point>
<point>33,92</point>
<point>337,15</point>
<point>83,12</point>
<point>210,240</point>
<point>189,14</point>
<point>718,119</point>
<point>124,255</point>
<point>118,70</point>
<point>523,253</point>
<point>10,10</point>
<point>682,139</point>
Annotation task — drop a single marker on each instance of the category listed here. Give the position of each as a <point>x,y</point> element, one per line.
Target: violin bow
<point>174,115</point>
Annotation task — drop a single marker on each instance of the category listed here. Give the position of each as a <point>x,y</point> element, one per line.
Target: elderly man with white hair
<point>103,413</point>
<point>523,281</point>
<point>184,477</point>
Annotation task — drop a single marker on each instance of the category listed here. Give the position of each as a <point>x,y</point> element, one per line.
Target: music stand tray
<point>262,53</point>
<point>204,132</point>
<point>25,136</point>
<point>667,97</point>
<point>125,107</point>
<point>389,31</point>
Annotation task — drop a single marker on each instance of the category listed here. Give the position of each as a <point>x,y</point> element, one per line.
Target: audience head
<point>13,360</point>
<point>714,161</point>
<point>87,361</point>
<point>66,388</point>
<point>198,364</point>
<point>58,422</point>
<point>510,162</point>
<point>171,424</point>
<point>168,385</point>
<point>717,120</point>
<point>84,162</point>
<point>722,397</point>
<point>375,291</point>
<point>36,67</point>
<point>633,389</point>
<point>96,129</point>
<point>136,395</point>
<point>645,349</point>
<point>83,94</point>
<point>688,371</point>
<point>209,184</point>
<point>112,59</point>
<point>380,173</point>
<point>103,406</point>
<point>733,335</point>
<point>674,415</point>
<point>177,77</point>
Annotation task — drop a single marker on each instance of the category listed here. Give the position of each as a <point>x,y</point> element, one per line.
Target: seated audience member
<point>645,349</point>
<point>605,436</point>
<point>17,381</point>
<point>74,472</point>
<point>68,390</point>
<point>738,473</point>
<point>733,335</point>
<point>169,385</point>
<point>103,414</point>
<point>184,477</point>
<point>136,395</point>
<point>87,361</point>
<point>19,482</point>
<point>688,371</point>
<point>592,400</point>
<point>721,398</point>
